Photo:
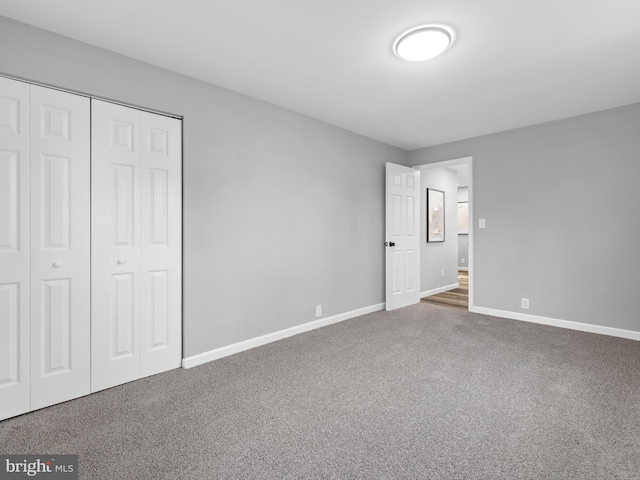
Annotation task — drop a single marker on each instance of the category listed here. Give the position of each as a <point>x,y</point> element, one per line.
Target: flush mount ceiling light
<point>422,43</point>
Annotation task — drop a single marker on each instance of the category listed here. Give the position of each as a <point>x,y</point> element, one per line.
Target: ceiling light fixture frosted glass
<point>422,43</point>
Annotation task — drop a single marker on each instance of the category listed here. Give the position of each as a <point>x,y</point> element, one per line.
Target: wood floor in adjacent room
<point>457,298</point>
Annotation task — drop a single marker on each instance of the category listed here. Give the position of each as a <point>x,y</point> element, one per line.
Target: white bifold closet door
<point>44,247</point>
<point>15,253</point>
<point>136,244</point>
<point>60,247</point>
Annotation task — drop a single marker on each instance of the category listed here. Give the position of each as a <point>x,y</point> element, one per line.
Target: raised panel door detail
<point>410,182</point>
<point>55,122</point>
<point>121,135</point>
<point>159,203</point>
<point>397,271</point>
<point>123,201</point>
<point>397,180</point>
<point>159,281</point>
<point>56,326</point>
<point>396,229</point>
<point>9,114</point>
<point>55,206</point>
<point>157,142</point>
<point>409,232</point>
<point>9,334</point>
<point>9,201</point>
<point>122,315</point>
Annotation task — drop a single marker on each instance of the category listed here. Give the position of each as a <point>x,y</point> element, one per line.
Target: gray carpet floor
<point>422,392</point>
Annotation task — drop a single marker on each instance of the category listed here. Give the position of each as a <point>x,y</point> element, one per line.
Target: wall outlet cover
<point>524,303</point>
<point>318,311</point>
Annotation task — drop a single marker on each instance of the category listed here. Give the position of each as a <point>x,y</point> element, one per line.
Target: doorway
<point>446,265</point>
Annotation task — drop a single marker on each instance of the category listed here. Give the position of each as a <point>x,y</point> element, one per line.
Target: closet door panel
<point>60,247</point>
<point>115,237</point>
<point>14,249</point>
<point>161,243</point>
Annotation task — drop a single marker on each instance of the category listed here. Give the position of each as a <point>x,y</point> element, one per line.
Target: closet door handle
<point>121,261</point>
<point>57,264</point>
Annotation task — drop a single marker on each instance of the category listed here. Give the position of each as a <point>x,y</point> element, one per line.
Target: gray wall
<point>438,256</point>
<point>281,212</point>
<point>542,187</point>
<point>463,194</point>
<point>463,240</point>
<point>463,251</point>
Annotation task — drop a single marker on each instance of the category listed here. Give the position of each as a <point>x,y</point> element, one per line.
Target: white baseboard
<point>221,352</point>
<point>554,322</point>
<point>435,291</point>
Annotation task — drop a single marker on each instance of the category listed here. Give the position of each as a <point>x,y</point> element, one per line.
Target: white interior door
<point>60,247</point>
<point>14,249</point>
<point>160,244</point>
<point>115,244</point>
<point>402,243</point>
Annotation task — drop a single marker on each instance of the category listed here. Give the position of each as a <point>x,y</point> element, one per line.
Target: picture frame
<point>463,218</point>
<point>435,216</point>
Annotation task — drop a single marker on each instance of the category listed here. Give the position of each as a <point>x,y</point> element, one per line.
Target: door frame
<point>469,162</point>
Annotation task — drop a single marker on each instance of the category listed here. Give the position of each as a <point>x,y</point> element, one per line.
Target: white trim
<point>445,163</point>
<point>555,322</point>
<point>464,269</point>
<point>470,254</point>
<point>225,351</point>
<point>435,291</point>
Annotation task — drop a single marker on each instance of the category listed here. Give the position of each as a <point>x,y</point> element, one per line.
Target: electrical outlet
<point>482,223</point>
<point>318,311</point>
<point>524,303</point>
<point>442,273</point>
<point>463,261</point>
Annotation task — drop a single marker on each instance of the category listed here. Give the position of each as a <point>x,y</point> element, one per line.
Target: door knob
<point>57,264</point>
<point>121,261</point>
<point>389,244</point>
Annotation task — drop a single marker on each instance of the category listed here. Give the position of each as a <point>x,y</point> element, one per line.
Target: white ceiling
<point>513,63</point>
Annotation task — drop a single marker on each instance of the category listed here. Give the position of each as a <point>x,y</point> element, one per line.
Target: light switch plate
<point>482,223</point>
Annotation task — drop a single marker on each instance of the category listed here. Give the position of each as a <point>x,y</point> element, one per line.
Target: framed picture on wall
<point>463,218</point>
<point>435,215</point>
